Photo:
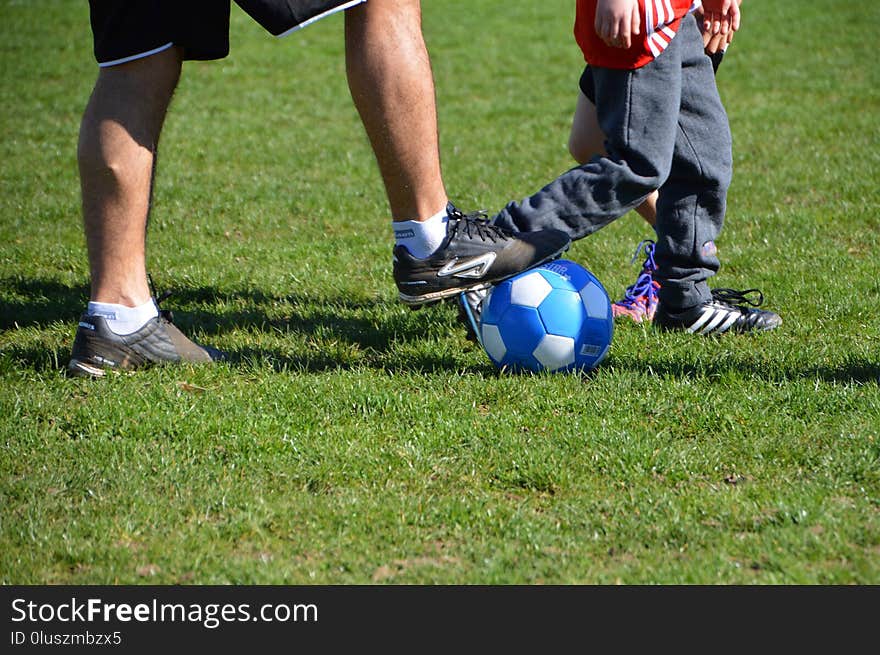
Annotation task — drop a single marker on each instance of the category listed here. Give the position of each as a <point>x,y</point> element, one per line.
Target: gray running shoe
<point>97,349</point>
<point>726,312</point>
<point>474,255</point>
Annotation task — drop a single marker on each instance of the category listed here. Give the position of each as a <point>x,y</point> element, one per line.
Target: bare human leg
<point>118,139</point>
<point>119,134</point>
<point>392,85</point>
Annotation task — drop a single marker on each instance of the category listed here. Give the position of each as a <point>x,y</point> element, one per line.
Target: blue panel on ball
<point>522,330</point>
<point>496,303</point>
<point>589,347</point>
<point>596,300</point>
<point>576,274</point>
<point>554,278</point>
<point>563,313</point>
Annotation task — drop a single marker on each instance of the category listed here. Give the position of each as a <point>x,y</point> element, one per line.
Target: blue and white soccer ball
<point>555,317</point>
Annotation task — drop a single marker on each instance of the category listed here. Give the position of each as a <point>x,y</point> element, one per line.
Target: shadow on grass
<point>43,302</point>
<point>346,333</point>
<point>849,372</point>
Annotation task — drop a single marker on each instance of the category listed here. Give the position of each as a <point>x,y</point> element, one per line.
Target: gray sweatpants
<point>666,129</point>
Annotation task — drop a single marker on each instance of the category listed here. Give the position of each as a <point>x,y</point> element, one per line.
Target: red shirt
<point>660,21</point>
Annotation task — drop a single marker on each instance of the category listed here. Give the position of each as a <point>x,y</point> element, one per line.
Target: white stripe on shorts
<point>314,19</point>
<point>115,62</point>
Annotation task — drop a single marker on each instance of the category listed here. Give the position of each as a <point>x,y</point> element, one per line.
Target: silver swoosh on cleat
<point>474,267</point>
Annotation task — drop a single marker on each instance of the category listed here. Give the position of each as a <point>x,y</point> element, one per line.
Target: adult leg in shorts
<point>392,85</point>
<point>139,46</point>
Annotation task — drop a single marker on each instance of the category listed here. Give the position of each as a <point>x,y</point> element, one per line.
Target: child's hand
<point>720,17</point>
<point>712,43</point>
<point>617,21</point>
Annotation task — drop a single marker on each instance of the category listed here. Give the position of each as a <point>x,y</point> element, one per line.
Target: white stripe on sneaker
<point>701,319</point>
<point>714,318</point>
<point>731,319</point>
<point>717,319</point>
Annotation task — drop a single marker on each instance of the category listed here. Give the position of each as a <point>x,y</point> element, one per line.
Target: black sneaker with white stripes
<point>474,254</point>
<point>726,312</point>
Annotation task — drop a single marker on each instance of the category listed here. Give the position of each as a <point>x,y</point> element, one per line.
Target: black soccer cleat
<point>474,255</point>
<point>97,349</point>
<point>726,312</point>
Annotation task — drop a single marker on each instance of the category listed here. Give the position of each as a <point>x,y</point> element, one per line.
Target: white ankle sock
<point>121,319</point>
<point>421,238</point>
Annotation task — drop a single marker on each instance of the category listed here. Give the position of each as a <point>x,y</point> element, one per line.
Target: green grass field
<point>353,441</point>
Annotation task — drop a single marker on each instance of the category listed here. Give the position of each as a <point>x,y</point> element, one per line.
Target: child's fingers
<point>602,27</point>
<point>706,39</point>
<point>708,22</point>
<point>624,34</point>
<point>716,43</point>
<point>616,33</point>
<point>735,16</point>
<point>636,20</point>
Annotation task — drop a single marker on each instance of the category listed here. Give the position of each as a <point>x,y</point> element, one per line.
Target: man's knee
<point>152,79</point>
<point>128,103</point>
<point>385,16</point>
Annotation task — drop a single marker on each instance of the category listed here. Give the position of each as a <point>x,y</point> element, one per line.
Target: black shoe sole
<point>430,298</point>
<point>437,296</point>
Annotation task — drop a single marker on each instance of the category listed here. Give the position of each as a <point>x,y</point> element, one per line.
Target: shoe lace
<point>476,224</point>
<point>648,246</point>
<point>159,298</point>
<point>644,286</point>
<point>752,297</point>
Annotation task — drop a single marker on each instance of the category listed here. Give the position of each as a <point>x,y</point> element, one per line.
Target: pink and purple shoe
<point>639,301</point>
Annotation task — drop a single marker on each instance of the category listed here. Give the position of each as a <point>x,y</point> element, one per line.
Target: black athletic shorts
<point>586,81</point>
<point>124,30</point>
